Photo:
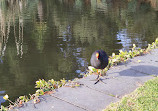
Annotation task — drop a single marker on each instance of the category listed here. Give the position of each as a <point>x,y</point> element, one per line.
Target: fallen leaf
<point>139,61</point>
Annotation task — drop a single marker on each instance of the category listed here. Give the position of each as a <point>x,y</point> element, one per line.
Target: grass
<point>46,87</point>
<point>144,98</point>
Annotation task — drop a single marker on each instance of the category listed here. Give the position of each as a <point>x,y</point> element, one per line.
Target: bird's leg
<point>98,75</point>
<point>98,78</point>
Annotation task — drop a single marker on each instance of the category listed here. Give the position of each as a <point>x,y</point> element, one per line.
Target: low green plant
<point>50,85</point>
<point>47,87</point>
<point>43,87</point>
<point>124,56</point>
<point>3,108</point>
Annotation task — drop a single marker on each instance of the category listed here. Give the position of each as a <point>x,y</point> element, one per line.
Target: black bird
<point>99,60</point>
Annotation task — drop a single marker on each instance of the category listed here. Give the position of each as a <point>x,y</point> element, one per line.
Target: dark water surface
<point>45,39</point>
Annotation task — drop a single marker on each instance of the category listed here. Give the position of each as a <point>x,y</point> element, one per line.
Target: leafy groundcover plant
<point>48,87</point>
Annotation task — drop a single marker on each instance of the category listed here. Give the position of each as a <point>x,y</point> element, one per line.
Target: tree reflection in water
<point>55,39</point>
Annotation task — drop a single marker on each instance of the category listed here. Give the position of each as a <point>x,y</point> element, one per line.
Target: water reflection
<point>1,97</point>
<point>125,39</point>
<point>55,38</point>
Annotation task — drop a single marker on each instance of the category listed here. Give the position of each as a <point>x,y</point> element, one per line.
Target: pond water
<point>54,39</point>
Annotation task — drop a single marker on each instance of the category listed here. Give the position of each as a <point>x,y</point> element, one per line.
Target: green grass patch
<point>128,103</point>
<point>144,98</point>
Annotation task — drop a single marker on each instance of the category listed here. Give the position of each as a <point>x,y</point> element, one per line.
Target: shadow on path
<point>140,70</point>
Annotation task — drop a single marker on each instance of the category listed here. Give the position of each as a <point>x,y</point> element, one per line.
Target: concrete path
<point>120,80</point>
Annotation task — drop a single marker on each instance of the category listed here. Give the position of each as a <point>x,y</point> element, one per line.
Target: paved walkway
<point>120,80</point>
